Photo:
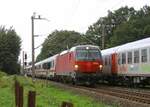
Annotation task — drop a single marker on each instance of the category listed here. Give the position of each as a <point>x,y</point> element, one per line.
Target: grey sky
<point>63,14</point>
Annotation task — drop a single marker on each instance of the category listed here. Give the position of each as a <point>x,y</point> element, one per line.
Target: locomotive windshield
<point>88,54</point>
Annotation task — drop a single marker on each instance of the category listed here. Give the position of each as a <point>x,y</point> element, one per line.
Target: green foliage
<point>2,74</point>
<point>132,30</point>
<point>146,30</point>
<point>121,26</point>
<point>9,50</point>
<point>59,41</point>
<point>109,24</point>
<point>7,98</point>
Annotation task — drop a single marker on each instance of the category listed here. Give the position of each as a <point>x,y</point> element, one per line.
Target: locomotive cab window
<point>136,56</point>
<point>129,57</point>
<point>88,54</point>
<point>144,55</point>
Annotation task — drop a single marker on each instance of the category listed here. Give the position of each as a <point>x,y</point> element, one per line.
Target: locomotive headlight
<point>87,48</point>
<point>100,67</point>
<point>76,67</point>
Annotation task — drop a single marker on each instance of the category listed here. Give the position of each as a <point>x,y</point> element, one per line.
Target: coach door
<point>114,63</point>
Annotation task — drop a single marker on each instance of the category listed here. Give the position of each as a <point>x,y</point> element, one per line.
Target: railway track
<point>111,95</point>
<point>134,92</point>
<point>132,95</point>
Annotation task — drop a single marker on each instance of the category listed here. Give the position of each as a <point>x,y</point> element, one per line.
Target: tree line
<point>120,26</point>
<point>10,44</point>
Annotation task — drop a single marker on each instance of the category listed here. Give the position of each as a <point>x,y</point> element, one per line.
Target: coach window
<point>123,58</point>
<point>42,66</point>
<point>119,59</point>
<point>129,57</point>
<point>52,64</point>
<point>45,66</point>
<point>149,54</point>
<point>136,56</point>
<point>48,65</point>
<point>109,60</point>
<point>144,55</point>
<point>106,60</point>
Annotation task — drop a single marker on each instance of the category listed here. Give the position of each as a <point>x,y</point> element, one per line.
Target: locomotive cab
<point>87,64</point>
<point>88,60</point>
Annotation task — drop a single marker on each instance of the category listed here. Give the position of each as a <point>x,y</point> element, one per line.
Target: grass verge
<point>47,95</point>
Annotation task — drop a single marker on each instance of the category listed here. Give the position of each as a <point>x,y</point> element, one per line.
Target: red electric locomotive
<point>80,64</point>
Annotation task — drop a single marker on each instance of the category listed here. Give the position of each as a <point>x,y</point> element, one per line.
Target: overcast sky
<point>74,15</point>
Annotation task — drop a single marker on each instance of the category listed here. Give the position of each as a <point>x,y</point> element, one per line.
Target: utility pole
<point>33,17</point>
<point>23,62</point>
<point>103,36</point>
<point>33,66</point>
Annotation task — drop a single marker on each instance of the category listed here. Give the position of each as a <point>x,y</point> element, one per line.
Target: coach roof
<point>128,46</point>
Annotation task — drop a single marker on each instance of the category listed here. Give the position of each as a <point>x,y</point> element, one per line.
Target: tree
<point>146,30</point>
<point>110,23</point>
<point>59,41</point>
<point>121,26</point>
<point>132,30</point>
<point>10,44</point>
<point>123,34</point>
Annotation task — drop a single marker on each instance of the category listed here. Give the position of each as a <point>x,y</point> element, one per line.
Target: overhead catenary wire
<point>42,35</point>
<point>89,40</point>
<point>51,38</point>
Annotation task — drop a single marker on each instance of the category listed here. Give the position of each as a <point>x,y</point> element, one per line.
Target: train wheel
<point>74,81</point>
<point>130,82</point>
<point>92,84</point>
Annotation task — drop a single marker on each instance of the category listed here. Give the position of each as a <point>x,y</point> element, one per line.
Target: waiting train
<point>80,64</point>
<point>127,64</point>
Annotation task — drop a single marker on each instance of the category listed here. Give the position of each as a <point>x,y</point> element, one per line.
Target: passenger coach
<point>128,63</point>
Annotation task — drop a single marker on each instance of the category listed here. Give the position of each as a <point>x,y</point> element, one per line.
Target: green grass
<point>6,91</point>
<point>47,96</point>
